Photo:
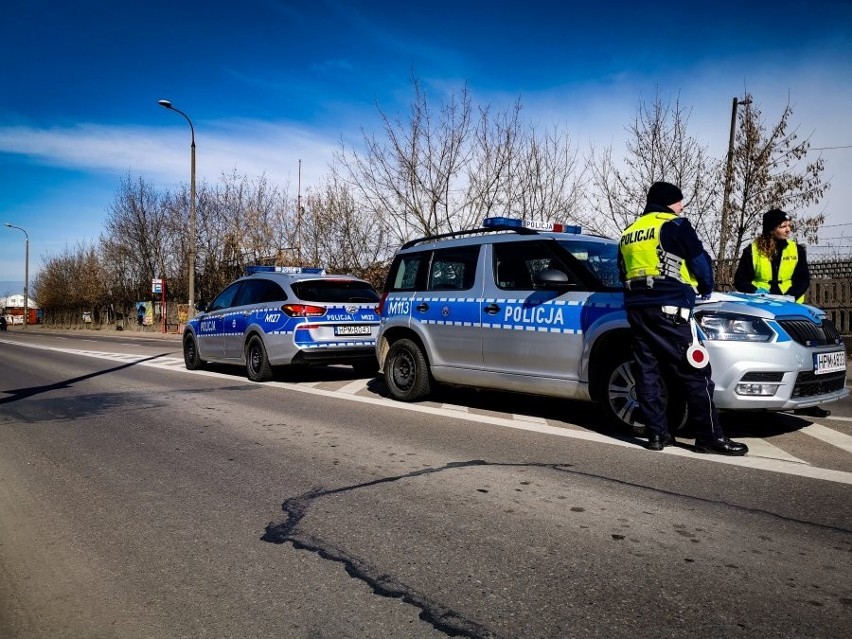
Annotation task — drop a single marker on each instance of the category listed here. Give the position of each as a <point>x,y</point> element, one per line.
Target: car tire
<point>616,395</point>
<point>191,359</point>
<point>407,371</point>
<point>258,368</point>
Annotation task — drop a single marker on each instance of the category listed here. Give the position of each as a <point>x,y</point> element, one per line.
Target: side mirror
<point>201,307</point>
<point>552,278</point>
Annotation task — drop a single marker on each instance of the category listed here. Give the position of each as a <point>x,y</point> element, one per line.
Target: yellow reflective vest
<point>644,256</point>
<point>763,268</point>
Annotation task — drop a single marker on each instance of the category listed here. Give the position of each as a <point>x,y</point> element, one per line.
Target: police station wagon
<point>286,316</point>
<point>542,312</point>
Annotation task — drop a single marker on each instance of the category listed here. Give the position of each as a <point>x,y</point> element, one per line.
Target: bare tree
<point>136,234</point>
<point>771,171</point>
<point>436,173</point>
<point>338,234</point>
<point>516,171</point>
<point>407,178</point>
<point>547,180</point>
<point>658,147</point>
<point>70,284</point>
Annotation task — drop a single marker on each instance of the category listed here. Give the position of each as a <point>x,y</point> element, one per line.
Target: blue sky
<point>270,82</point>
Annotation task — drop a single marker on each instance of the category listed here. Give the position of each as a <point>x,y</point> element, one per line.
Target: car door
<point>448,309</point>
<point>257,295</point>
<point>212,323</point>
<point>528,332</point>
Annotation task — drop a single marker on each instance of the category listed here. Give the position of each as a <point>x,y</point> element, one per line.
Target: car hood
<point>760,305</point>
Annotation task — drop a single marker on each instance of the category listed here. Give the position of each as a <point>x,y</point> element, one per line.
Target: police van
<point>278,316</point>
<point>541,311</point>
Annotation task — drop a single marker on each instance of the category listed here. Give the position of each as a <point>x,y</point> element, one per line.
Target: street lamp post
<point>729,178</point>
<point>168,105</point>
<point>26,272</point>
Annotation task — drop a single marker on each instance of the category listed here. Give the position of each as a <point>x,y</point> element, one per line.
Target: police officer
<point>774,263</point>
<point>660,260</point>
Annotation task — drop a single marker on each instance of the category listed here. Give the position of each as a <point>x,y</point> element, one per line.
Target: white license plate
<point>352,330</point>
<point>829,362</point>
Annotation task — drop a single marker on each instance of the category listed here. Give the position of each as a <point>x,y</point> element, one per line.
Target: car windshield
<point>329,291</point>
<point>599,258</point>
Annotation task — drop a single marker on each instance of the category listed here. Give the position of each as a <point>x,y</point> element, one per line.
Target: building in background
<point>13,309</point>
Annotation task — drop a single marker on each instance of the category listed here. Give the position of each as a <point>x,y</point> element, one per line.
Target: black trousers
<point>660,342</point>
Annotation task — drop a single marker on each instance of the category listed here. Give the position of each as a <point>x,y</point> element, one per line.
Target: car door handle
<point>422,307</point>
<point>491,309</point>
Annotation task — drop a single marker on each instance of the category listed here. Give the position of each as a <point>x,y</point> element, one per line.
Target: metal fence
<point>831,290</point>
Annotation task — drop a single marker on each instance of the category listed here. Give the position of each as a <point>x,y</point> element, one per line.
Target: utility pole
<point>299,215</point>
<point>724,231</point>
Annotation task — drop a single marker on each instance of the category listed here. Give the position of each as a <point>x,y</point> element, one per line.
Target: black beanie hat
<point>772,218</point>
<point>664,193</point>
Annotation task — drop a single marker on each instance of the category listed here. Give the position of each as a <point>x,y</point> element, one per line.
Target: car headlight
<point>728,327</point>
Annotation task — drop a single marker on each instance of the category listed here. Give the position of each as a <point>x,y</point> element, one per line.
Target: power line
<point>829,148</point>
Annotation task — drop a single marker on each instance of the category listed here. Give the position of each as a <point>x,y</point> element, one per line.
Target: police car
<point>542,311</point>
<point>286,315</point>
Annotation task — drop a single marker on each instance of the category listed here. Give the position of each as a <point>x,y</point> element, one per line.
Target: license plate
<point>352,330</point>
<point>829,362</point>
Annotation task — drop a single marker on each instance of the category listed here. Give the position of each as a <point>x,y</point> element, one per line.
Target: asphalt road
<point>138,499</point>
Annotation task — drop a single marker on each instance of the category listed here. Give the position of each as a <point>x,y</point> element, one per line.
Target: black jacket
<point>800,280</point>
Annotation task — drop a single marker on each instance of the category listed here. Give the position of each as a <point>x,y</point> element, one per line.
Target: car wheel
<point>616,394</point>
<point>257,363</point>
<point>407,372</point>
<point>191,358</point>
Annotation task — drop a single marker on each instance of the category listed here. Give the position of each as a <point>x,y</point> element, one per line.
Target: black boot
<point>658,442</point>
<point>723,446</point>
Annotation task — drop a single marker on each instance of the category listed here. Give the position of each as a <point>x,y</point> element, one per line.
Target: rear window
<point>330,291</point>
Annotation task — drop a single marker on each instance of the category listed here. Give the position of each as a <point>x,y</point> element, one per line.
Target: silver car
<point>542,312</point>
<point>286,316</point>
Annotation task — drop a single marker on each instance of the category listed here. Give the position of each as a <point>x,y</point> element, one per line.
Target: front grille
<point>809,334</point>
<point>763,376</point>
<point>809,385</point>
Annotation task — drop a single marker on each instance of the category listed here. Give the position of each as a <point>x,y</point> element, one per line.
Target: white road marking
<point>829,436</point>
<point>535,419</point>
<point>353,387</point>
<point>455,408</point>
<point>758,447</point>
<point>754,462</point>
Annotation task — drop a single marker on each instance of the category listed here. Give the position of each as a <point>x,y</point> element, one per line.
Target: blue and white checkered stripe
<point>553,316</point>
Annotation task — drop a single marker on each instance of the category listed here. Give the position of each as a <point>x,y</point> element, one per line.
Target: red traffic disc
<point>697,356</point>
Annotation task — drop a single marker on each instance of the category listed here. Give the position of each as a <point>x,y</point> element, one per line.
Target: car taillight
<point>381,305</point>
<point>303,310</point>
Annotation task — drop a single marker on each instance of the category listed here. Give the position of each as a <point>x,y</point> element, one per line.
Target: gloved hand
<point>705,297</point>
<point>765,291</point>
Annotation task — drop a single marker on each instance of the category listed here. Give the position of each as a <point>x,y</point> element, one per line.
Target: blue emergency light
<point>258,268</point>
<point>493,222</point>
<point>513,222</point>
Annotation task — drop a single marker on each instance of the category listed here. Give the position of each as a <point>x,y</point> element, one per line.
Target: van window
<point>517,263</point>
<point>404,272</point>
<point>453,269</point>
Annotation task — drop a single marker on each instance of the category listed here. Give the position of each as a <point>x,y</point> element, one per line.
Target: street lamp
<point>168,105</point>
<point>26,272</point>
<point>729,177</point>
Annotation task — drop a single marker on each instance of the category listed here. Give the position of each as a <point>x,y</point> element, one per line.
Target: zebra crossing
<point>763,454</point>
